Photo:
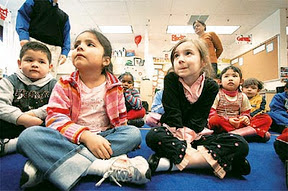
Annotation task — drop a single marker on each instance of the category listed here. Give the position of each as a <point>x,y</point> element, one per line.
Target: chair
<point>280,89</point>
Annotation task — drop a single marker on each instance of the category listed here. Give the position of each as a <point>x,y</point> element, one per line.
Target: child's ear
<point>241,82</point>
<point>19,63</point>
<point>106,61</point>
<point>50,67</point>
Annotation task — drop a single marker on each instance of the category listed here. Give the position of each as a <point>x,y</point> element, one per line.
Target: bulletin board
<point>261,62</point>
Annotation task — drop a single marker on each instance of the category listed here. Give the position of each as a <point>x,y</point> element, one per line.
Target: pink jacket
<point>65,102</point>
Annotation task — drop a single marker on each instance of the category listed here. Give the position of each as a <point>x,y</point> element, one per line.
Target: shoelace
<point>116,175</point>
<point>2,145</point>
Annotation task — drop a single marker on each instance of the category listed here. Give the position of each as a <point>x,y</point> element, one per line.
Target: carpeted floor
<point>267,174</point>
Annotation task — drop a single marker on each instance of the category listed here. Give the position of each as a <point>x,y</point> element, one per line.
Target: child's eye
<point>176,55</point>
<point>75,46</point>
<point>91,44</point>
<point>188,53</point>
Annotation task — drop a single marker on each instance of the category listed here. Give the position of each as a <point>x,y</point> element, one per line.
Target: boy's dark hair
<point>106,46</point>
<point>36,46</point>
<point>126,73</point>
<point>201,22</point>
<point>253,81</point>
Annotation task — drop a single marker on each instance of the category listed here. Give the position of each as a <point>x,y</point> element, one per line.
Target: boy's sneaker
<point>136,122</point>
<point>135,170</point>
<point>2,146</point>
<point>30,176</point>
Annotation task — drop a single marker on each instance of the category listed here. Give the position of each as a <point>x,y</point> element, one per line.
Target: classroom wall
<point>273,25</point>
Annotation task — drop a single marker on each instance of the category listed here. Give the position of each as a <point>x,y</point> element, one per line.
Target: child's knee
<point>241,146</point>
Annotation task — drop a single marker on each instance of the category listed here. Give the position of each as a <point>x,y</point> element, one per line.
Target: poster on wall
<point>3,12</point>
<point>284,74</point>
<point>242,39</point>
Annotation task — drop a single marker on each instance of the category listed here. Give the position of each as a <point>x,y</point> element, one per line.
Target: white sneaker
<point>2,146</point>
<point>30,176</point>
<point>135,170</point>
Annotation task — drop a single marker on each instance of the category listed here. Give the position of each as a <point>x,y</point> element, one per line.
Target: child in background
<point>25,94</point>
<point>86,124</point>
<point>188,95</point>
<point>281,145</point>
<point>279,110</point>
<point>157,109</point>
<point>231,108</point>
<point>133,103</point>
<point>281,148</point>
<point>260,121</point>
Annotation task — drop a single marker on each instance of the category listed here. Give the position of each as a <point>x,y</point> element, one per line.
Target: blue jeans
<point>63,162</point>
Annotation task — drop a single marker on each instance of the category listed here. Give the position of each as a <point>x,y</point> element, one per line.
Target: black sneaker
<point>136,122</point>
<point>241,167</point>
<point>30,176</point>
<point>153,162</point>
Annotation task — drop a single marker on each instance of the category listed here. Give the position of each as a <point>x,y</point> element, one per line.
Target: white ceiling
<point>154,16</point>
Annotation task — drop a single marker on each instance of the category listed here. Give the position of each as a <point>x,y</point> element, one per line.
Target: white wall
<point>10,47</point>
<point>273,25</point>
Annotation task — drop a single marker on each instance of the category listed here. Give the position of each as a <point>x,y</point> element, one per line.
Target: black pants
<point>215,69</point>
<point>10,130</point>
<point>223,147</point>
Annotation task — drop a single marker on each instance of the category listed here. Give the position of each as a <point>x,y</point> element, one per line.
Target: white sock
<point>10,147</point>
<point>164,165</point>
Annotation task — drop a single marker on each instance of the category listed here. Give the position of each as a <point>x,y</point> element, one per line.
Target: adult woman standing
<point>213,42</point>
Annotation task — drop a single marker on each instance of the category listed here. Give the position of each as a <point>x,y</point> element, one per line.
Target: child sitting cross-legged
<point>133,103</point>
<point>25,94</point>
<point>260,121</point>
<point>87,131</point>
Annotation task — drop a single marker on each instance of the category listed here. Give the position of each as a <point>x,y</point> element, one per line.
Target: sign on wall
<point>242,39</point>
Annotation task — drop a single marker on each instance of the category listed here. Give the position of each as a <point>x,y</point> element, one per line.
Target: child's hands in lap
<point>245,120</point>
<point>235,122</point>
<point>28,120</point>
<point>97,144</point>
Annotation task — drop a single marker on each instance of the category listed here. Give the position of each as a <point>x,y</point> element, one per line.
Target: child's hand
<point>127,86</point>
<point>97,144</point>
<point>245,120</point>
<point>28,120</point>
<point>30,113</point>
<point>235,122</point>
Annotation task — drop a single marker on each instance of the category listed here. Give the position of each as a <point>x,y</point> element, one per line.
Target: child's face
<point>127,82</point>
<point>34,64</point>
<point>87,55</point>
<point>187,61</point>
<point>250,90</point>
<point>230,80</point>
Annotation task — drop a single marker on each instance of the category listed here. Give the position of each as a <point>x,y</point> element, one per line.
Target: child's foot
<point>241,167</point>
<point>153,162</point>
<point>266,137</point>
<point>135,170</point>
<point>7,146</point>
<point>136,122</point>
<point>2,147</point>
<point>30,176</point>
